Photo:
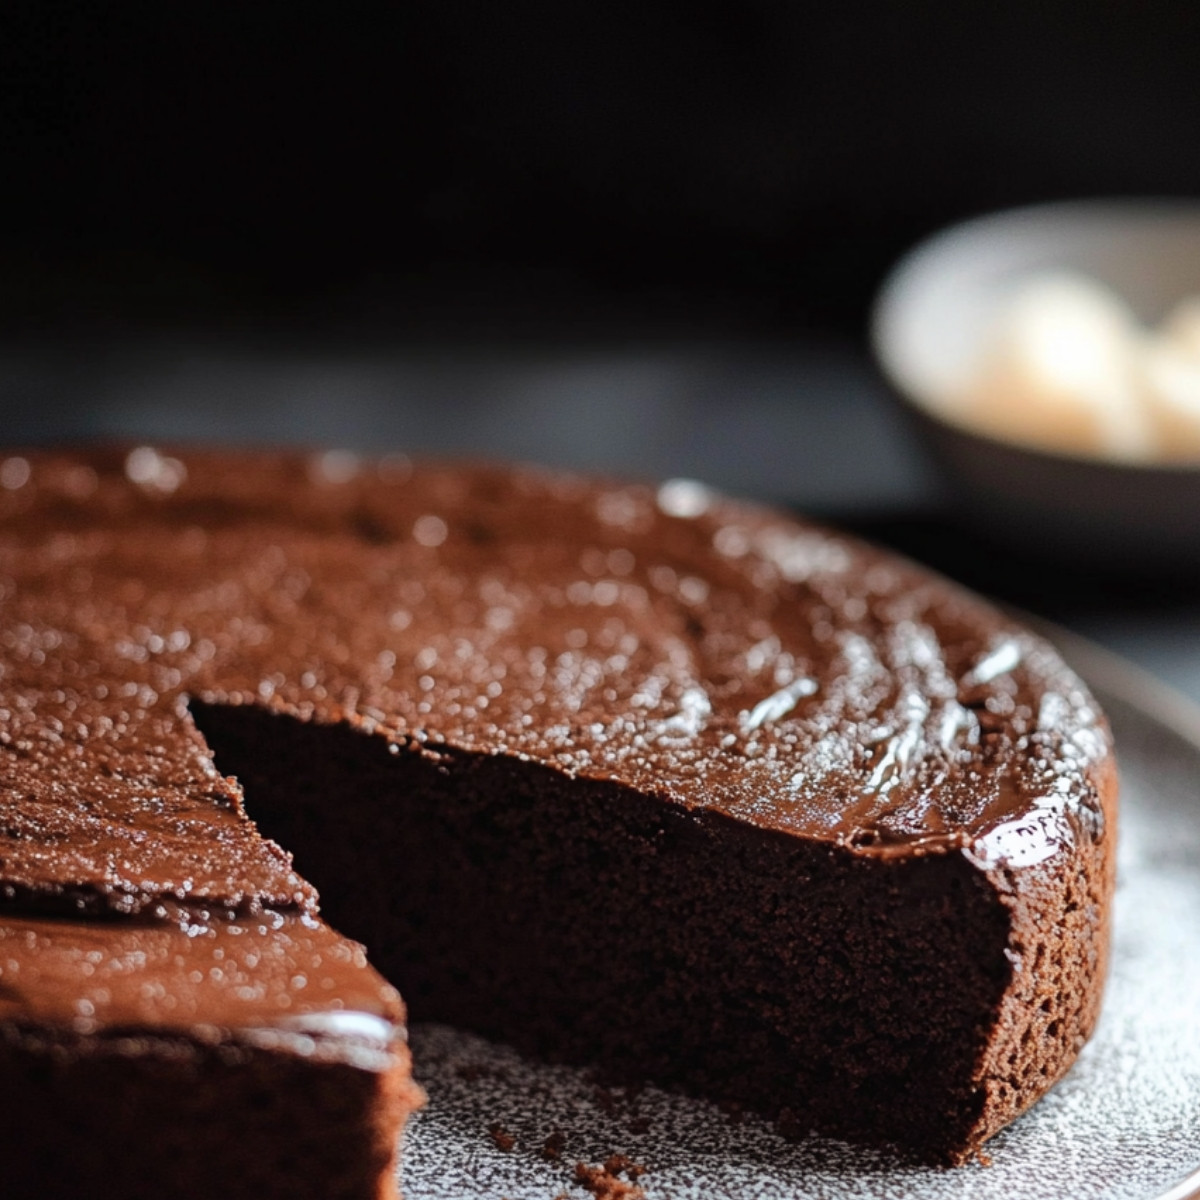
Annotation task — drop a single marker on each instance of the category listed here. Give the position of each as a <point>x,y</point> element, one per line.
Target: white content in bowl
<point>1065,365</point>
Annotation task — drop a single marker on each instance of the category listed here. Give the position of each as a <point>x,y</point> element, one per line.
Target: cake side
<point>1059,946</point>
<point>155,1115</point>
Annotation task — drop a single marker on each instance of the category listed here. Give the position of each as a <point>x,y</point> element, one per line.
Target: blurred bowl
<point>929,323</point>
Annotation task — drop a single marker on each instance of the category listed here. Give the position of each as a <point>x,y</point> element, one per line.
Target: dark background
<point>760,163</point>
<point>635,237</point>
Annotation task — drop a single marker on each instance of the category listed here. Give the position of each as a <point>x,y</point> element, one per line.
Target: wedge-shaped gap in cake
<point>581,920</point>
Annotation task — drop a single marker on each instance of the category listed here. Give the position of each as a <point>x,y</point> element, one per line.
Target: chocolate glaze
<point>714,656</point>
<point>177,970</point>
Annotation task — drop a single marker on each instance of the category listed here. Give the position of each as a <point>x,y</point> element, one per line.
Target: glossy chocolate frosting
<point>212,976</point>
<point>712,654</point>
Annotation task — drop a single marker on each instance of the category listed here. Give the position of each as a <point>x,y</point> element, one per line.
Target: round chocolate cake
<point>631,776</point>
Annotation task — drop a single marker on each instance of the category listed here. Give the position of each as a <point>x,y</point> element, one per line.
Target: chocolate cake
<point>638,777</point>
